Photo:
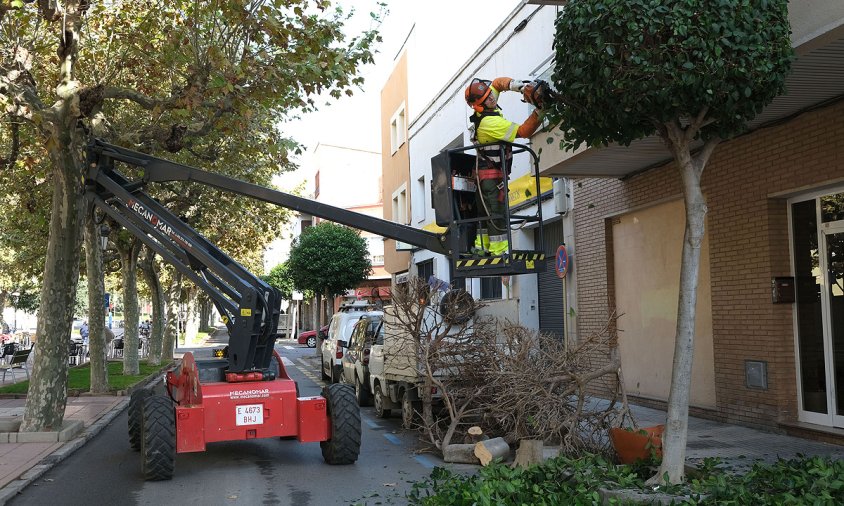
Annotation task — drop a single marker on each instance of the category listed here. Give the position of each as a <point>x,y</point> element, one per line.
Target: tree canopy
<point>329,259</point>
<point>625,68</point>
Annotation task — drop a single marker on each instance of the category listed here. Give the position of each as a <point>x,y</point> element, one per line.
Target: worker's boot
<point>482,243</point>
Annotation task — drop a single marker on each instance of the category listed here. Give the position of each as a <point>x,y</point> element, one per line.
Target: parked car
<point>339,331</point>
<point>355,360</point>
<point>309,337</point>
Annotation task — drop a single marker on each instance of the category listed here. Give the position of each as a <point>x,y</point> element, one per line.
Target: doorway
<point>818,252</point>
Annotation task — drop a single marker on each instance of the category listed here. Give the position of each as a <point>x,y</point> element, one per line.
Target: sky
<point>450,32</point>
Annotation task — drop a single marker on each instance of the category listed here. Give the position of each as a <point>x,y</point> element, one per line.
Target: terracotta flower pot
<point>632,445</point>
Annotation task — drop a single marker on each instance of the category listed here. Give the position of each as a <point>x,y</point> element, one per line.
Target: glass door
<point>818,255</point>
<point>834,246</point>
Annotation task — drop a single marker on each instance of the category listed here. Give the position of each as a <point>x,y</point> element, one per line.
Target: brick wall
<point>746,183</point>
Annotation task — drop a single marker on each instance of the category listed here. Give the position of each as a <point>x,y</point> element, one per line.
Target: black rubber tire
<point>408,410</point>
<point>135,411</point>
<point>335,374</point>
<point>344,416</point>
<point>325,377</point>
<point>158,448</point>
<point>378,402</point>
<point>362,393</point>
<point>312,342</point>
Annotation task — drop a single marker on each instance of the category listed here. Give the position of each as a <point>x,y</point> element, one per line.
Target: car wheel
<point>408,410</point>
<point>362,393</point>
<point>344,416</point>
<point>158,438</point>
<point>378,401</point>
<point>136,405</point>
<point>325,377</point>
<point>312,342</point>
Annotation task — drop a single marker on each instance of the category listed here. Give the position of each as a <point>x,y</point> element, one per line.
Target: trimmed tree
<point>694,73</point>
<point>328,259</point>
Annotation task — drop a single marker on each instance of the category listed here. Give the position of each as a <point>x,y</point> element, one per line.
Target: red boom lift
<point>246,393</point>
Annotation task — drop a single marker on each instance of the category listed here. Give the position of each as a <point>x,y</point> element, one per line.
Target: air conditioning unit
<point>562,199</point>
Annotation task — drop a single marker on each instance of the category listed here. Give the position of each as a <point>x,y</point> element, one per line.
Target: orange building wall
<point>396,167</point>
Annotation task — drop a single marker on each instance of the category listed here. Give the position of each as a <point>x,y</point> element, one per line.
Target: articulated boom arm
<point>249,306</point>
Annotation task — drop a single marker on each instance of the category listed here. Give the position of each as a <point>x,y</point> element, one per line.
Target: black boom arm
<point>249,306</point>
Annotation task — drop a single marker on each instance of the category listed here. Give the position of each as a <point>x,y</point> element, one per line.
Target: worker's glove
<point>517,85</point>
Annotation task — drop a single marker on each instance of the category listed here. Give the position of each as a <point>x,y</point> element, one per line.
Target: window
<point>400,205</point>
<point>490,288</point>
<point>398,129</point>
<point>375,246</point>
<point>424,270</point>
<point>418,204</point>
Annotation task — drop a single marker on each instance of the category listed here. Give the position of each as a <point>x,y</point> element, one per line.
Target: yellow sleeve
<point>497,128</point>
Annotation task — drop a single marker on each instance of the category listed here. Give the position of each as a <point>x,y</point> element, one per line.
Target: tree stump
<point>492,449</point>
<point>474,435</point>
<point>529,453</point>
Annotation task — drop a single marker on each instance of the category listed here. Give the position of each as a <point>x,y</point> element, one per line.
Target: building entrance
<point>818,242</point>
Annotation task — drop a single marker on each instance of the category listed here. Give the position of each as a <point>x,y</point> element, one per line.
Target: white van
<point>339,331</point>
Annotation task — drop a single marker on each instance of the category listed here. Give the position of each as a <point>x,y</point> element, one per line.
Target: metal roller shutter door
<point>551,296</point>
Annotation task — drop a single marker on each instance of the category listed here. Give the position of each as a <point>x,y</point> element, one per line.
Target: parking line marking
<point>425,461</point>
<point>286,361</point>
<point>287,347</point>
<point>393,439</point>
<point>373,424</point>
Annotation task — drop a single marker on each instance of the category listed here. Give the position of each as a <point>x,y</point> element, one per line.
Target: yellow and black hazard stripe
<point>528,256</point>
<point>479,262</point>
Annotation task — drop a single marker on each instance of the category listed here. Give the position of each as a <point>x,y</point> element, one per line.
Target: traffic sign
<point>561,262</point>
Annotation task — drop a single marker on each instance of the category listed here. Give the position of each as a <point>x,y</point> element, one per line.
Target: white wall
<point>437,122</point>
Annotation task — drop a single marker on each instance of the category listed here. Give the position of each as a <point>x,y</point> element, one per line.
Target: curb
<point>13,488</point>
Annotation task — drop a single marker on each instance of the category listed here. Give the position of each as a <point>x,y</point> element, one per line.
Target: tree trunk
<point>676,427</point>
<point>171,331</point>
<point>491,449</point>
<point>318,323</point>
<point>191,319</point>
<point>128,268</point>
<point>3,295</point>
<point>96,306</point>
<point>151,278</point>
<point>47,395</point>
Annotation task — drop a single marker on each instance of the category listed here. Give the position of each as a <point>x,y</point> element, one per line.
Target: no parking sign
<point>561,262</point>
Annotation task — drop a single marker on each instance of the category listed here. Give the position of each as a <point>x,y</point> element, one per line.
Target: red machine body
<point>209,409</point>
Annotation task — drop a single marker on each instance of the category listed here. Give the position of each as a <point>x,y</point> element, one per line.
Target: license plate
<point>249,414</point>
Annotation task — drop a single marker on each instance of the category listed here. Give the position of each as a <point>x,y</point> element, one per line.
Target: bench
<point>18,361</point>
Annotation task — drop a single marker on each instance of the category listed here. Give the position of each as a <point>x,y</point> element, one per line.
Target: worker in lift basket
<point>490,125</point>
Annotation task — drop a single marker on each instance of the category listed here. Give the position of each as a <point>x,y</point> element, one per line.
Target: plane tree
<point>691,72</point>
<point>187,79</point>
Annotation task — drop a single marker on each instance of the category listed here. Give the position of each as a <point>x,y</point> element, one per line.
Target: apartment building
<point>770,314</point>
<point>770,310</point>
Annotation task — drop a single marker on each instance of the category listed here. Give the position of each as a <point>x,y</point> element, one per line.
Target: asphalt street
<point>263,471</point>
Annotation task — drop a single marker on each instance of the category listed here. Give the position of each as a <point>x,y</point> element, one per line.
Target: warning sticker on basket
<point>249,414</point>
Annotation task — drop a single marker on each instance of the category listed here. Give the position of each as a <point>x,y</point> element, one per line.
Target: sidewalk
<point>737,447</point>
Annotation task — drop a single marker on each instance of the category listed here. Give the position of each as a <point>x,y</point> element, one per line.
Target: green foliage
<point>28,299</point>
<point>280,278</point>
<point>565,480</point>
<point>329,259</point>
<point>624,67</point>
